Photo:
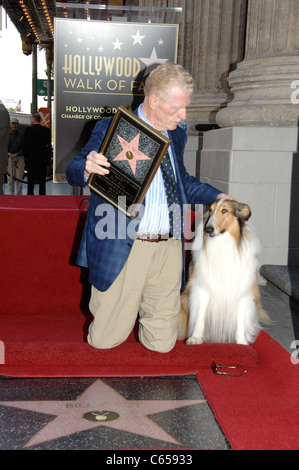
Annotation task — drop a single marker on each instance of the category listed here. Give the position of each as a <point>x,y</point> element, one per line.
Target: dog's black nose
<point>209,230</point>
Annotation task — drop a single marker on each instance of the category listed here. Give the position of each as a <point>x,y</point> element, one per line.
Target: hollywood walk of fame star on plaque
<point>135,151</point>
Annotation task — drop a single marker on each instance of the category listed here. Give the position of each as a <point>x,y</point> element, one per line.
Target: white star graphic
<point>137,39</point>
<point>79,40</point>
<point>152,62</point>
<point>117,44</point>
<point>93,409</point>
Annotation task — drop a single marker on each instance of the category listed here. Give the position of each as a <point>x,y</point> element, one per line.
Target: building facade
<point>244,57</point>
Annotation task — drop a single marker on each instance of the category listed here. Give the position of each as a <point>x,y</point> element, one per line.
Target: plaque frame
<point>121,187</point>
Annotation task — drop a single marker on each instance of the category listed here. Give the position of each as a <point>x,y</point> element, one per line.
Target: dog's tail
<point>262,314</point>
<point>183,318</point>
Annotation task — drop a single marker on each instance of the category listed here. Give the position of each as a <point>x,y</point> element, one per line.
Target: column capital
<point>262,82</point>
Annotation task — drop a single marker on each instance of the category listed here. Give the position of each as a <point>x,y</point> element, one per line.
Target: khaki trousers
<point>148,285</point>
<point>17,172</point>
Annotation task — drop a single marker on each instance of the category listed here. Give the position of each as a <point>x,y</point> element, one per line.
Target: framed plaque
<point>134,150</point>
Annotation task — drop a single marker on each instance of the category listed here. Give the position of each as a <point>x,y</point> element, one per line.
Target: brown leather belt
<point>153,237</point>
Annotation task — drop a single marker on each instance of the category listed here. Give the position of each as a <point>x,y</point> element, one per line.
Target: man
<point>37,154</point>
<point>15,149</point>
<point>4,134</point>
<point>141,276</point>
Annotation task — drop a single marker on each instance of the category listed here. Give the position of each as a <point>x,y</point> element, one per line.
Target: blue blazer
<point>106,257</point>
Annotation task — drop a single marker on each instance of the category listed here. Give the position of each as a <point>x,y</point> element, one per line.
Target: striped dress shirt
<point>154,214</point>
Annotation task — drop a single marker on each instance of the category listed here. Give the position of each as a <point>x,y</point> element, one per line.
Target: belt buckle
<point>149,237</point>
<point>153,237</point>
<point>216,367</point>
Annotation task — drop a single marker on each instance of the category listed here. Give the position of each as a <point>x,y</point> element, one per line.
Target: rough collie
<point>221,303</point>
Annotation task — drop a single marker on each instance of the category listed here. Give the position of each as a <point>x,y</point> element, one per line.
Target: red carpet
<point>51,346</point>
<point>44,320</point>
<point>260,409</point>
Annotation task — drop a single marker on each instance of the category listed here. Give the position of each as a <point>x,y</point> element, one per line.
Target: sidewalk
<point>280,297</point>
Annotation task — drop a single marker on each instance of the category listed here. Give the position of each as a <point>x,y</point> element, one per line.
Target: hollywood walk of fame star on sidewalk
<point>130,152</point>
<point>100,399</point>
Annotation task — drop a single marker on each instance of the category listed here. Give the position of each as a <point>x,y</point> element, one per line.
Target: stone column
<point>211,45</point>
<point>254,156</point>
<point>262,83</point>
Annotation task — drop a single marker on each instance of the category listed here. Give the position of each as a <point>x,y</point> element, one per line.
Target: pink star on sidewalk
<point>100,405</point>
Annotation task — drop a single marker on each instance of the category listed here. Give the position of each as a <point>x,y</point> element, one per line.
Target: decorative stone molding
<point>262,82</point>
<point>211,44</point>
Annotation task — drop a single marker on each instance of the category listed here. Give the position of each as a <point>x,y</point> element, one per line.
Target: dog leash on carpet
<point>216,367</point>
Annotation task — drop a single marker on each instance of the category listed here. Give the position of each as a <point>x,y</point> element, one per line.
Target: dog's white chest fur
<point>225,268</point>
<point>222,307</point>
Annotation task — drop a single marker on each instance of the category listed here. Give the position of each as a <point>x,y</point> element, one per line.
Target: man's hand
<point>96,163</point>
<point>224,196</point>
<point>14,157</point>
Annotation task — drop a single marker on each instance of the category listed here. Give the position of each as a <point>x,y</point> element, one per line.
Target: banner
<point>99,66</point>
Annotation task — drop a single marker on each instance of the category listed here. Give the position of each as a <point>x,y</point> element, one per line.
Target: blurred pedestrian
<point>4,134</point>
<point>37,154</point>
<point>15,151</point>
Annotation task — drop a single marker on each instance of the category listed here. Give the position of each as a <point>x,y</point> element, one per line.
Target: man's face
<point>14,126</point>
<point>169,112</point>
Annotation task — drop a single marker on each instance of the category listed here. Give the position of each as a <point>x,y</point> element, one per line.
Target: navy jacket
<point>106,257</point>
<point>37,146</point>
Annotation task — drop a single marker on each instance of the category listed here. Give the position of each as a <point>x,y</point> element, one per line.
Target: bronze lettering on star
<point>135,151</point>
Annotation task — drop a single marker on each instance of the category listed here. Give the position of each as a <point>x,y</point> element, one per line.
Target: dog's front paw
<point>242,341</point>
<point>194,340</point>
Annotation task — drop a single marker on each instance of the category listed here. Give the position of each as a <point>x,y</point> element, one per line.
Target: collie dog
<point>221,303</point>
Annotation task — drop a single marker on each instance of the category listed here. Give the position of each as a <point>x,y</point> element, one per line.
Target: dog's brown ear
<point>243,211</point>
<point>205,217</point>
<point>206,214</point>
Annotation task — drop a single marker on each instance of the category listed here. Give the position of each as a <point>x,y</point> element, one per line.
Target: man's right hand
<point>96,163</point>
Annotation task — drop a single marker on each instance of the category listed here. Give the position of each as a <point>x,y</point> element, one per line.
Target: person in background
<point>37,154</point>
<point>15,150</point>
<point>141,275</point>
<point>4,135</point>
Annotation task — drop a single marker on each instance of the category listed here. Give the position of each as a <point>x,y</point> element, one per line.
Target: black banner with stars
<point>99,66</point>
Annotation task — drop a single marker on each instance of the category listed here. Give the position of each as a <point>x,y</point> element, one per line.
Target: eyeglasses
<point>216,367</point>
